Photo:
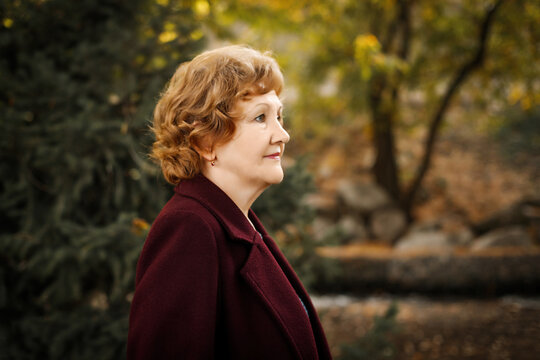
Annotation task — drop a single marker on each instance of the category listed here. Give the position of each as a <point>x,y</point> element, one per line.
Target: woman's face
<point>252,158</point>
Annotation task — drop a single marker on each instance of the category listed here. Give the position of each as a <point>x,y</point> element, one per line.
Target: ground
<point>443,329</point>
<point>473,175</point>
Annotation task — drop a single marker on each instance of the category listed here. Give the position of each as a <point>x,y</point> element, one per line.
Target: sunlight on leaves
<point>366,47</point>
<point>196,35</point>
<point>515,94</point>
<point>167,36</point>
<point>201,8</point>
<point>159,62</point>
<point>7,22</point>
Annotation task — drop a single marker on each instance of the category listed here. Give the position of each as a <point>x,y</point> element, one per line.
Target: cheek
<point>255,145</point>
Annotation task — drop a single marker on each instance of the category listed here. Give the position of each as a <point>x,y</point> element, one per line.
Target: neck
<point>241,193</point>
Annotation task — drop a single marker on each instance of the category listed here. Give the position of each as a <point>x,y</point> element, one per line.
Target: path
<point>506,328</point>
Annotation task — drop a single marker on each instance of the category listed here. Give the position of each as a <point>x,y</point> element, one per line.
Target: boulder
<point>352,228</point>
<point>447,231</point>
<point>462,237</point>
<point>425,240</point>
<point>321,228</point>
<point>523,213</point>
<point>323,204</point>
<point>425,226</point>
<point>387,223</point>
<point>362,197</point>
<point>514,236</point>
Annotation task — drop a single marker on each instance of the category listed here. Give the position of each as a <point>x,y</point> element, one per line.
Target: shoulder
<point>184,213</point>
<point>182,232</point>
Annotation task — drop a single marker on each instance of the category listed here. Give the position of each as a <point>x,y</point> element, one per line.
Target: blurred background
<point>411,204</point>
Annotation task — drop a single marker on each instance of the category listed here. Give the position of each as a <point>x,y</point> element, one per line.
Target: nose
<point>280,135</point>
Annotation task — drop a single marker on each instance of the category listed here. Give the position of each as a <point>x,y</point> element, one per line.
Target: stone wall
<point>487,272</point>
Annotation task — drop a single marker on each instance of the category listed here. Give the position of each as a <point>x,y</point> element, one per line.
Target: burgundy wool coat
<point>209,287</point>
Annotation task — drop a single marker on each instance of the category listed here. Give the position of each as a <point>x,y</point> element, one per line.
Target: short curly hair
<point>196,109</point>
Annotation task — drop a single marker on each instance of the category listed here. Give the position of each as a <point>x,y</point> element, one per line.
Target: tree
<point>377,53</point>
<point>79,80</point>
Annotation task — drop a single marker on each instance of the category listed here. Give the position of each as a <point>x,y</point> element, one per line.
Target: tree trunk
<point>385,167</point>
<point>384,103</point>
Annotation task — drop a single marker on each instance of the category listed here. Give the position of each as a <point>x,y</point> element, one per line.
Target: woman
<point>211,283</point>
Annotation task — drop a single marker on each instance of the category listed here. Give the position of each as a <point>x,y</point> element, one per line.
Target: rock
<point>455,226</point>
<point>424,240</point>
<point>523,213</point>
<point>425,226</point>
<point>362,197</point>
<point>510,236</point>
<point>352,228</point>
<point>321,228</point>
<point>388,223</point>
<point>463,237</point>
<point>323,204</point>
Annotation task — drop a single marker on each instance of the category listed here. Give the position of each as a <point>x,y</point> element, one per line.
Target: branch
<point>462,74</point>
<point>404,18</point>
<point>405,24</point>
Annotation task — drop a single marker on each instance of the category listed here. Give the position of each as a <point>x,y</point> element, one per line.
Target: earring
<point>213,163</point>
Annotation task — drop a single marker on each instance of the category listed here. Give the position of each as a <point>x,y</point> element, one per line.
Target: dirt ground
<point>444,329</point>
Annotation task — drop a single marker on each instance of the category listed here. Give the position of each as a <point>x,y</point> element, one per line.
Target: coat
<point>210,286</point>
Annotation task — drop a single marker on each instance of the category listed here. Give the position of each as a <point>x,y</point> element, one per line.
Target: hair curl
<point>196,109</point>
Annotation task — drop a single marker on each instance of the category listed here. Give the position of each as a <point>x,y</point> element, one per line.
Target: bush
<point>79,80</point>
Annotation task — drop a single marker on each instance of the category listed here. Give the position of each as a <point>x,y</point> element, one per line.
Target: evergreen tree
<point>78,82</point>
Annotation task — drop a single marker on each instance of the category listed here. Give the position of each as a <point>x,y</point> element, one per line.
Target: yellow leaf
<point>515,94</point>
<point>138,226</point>
<point>7,22</point>
<point>167,36</point>
<point>169,26</point>
<point>201,8</point>
<point>159,62</point>
<point>196,35</point>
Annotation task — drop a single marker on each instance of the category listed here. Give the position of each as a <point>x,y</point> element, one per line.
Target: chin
<point>275,178</point>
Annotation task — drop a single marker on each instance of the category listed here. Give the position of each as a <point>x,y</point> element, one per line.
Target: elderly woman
<point>211,283</point>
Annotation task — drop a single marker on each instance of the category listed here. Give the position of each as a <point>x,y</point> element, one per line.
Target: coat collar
<point>222,207</point>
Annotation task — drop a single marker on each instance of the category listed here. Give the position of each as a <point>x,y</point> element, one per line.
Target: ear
<point>206,152</point>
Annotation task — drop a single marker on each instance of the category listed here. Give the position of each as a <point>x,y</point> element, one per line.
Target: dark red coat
<point>209,287</point>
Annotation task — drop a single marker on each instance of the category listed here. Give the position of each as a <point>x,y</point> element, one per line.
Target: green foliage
<point>79,81</point>
<point>376,344</point>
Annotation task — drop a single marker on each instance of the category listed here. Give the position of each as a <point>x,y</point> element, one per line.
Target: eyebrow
<point>266,105</point>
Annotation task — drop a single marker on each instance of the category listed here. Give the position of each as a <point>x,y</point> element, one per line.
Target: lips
<point>274,156</point>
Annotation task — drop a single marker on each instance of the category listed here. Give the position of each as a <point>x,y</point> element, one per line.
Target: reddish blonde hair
<point>195,110</point>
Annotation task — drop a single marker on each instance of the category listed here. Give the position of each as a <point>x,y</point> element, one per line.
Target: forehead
<point>269,99</point>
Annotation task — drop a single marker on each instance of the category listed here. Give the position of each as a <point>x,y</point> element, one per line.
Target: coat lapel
<point>264,275</point>
<point>322,345</point>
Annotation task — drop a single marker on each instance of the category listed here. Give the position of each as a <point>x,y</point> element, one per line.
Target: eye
<point>260,118</point>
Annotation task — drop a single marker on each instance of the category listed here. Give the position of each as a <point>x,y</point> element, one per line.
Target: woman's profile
<point>211,283</point>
